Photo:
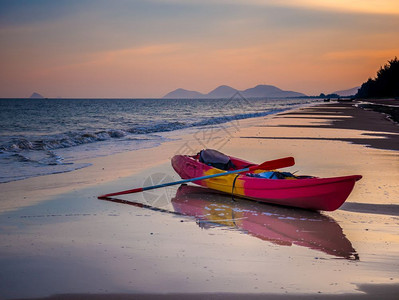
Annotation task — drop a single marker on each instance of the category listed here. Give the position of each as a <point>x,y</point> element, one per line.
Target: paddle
<point>267,165</point>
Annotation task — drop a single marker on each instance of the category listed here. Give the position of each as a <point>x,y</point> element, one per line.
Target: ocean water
<point>46,136</point>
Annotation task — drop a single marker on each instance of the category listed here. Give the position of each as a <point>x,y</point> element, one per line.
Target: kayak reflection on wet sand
<point>279,225</point>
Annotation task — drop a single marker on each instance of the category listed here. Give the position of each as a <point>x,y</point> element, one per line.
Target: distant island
<point>36,96</point>
<point>348,92</point>
<point>338,94</point>
<point>224,91</point>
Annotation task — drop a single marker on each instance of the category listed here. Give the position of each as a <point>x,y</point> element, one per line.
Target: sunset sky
<point>132,49</point>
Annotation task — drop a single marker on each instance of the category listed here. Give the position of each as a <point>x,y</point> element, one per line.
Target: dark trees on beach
<point>385,85</point>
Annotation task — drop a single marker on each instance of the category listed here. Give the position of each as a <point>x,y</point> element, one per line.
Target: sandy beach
<point>58,241</point>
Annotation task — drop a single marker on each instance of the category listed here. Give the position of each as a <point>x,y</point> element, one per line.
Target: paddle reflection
<point>279,225</point>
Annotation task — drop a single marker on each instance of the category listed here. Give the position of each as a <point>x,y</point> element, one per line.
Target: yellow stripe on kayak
<point>224,183</point>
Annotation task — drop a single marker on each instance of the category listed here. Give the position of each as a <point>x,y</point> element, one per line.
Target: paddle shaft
<point>268,165</point>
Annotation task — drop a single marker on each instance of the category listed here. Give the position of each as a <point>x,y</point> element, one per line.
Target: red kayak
<point>272,187</point>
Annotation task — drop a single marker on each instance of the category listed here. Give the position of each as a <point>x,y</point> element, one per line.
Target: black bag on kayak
<point>215,159</point>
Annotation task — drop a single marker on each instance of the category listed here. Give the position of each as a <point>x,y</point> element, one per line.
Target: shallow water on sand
<point>185,240</point>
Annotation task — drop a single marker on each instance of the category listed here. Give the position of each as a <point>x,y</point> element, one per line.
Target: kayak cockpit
<point>218,160</point>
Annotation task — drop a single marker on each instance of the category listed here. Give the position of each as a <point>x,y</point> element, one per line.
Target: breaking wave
<point>61,141</point>
<point>71,139</point>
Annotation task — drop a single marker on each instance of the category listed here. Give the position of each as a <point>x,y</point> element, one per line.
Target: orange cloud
<point>356,6</point>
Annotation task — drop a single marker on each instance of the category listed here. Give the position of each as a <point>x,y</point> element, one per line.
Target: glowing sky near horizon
<point>131,49</point>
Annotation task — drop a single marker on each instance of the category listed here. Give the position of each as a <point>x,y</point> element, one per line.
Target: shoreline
<point>385,131</point>
<point>60,242</point>
<point>102,169</point>
<point>387,107</point>
<point>384,135</point>
<point>59,151</point>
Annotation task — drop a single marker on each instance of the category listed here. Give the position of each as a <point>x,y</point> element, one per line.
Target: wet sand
<point>58,241</point>
<point>379,291</point>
